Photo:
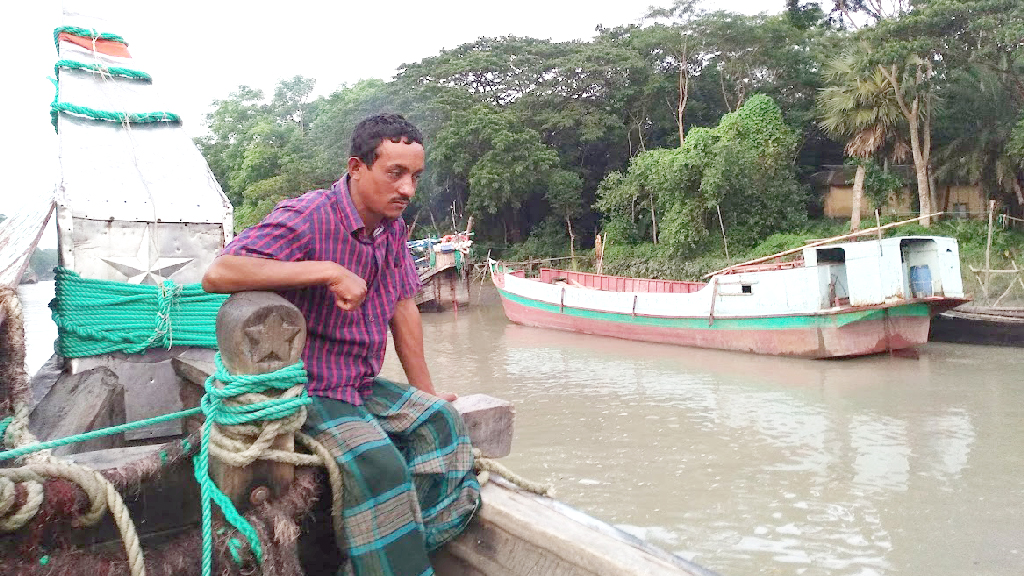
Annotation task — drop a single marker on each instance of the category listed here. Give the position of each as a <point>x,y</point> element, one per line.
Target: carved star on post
<point>271,341</point>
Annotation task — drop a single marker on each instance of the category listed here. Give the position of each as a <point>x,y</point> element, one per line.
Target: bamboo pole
<point>988,250</point>
<point>820,242</point>
<point>725,240</point>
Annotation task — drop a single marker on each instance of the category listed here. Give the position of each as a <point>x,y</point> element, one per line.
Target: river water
<point>749,464</point>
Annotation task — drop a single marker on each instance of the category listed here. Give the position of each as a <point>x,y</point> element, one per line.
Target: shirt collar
<point>350,218</point>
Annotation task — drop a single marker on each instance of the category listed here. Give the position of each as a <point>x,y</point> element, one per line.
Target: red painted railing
<point>617,283</point>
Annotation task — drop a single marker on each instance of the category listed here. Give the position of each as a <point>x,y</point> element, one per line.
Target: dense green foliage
<point>682,136</point>
<point>741,171</point>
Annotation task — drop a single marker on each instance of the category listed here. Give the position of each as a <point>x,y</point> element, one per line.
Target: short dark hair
<point>370,132</point>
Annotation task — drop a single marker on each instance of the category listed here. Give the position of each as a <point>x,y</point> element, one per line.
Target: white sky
<point>201,51</point>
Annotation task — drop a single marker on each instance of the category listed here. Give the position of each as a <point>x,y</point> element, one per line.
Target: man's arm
<point>407,330</point>
<point>229,273</point>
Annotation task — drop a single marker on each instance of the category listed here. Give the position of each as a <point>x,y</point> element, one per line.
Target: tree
<point>261,152</point>
<point>873,10</point>
<point>741,172</point>
<point>910,86</point>
<point>564,194</point>
<point>975,50</point>
<point>683,47</point>
<point>975,128</point>
<point>494,166</point>
<point>857,105</point>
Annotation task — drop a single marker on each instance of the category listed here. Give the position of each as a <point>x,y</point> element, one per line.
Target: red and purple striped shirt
<point>344,350</point>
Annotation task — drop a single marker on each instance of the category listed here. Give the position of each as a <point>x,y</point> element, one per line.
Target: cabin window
<point>747,288</point>
<point>960,211</point>
<point>831,256</point>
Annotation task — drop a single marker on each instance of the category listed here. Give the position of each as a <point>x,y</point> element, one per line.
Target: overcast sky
<point>199,51</point>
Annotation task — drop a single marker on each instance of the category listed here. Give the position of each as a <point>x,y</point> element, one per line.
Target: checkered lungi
<point>407,468</point>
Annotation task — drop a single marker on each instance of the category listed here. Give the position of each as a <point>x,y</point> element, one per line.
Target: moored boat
<point>442,262</point>
<point>980,325</point>
<point>838,300</point>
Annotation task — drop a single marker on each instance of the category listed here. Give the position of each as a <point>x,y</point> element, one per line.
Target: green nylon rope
<point>100,316</point>
<point>86,32</point>
<point>119,117</point>
<point>57,107</point>
<point>98,433</point>
<point>112,70</point>
<point>217,412</point>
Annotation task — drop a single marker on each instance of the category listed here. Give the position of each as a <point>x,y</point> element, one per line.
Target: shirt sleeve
<point>408,279</point>
<point>281,235</point>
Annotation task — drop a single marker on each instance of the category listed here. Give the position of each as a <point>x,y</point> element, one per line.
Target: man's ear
<point>354,166</point>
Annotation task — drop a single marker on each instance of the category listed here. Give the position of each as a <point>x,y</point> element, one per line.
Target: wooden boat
<point>443,265</point>
<point>138,206</point>
<point>980,325</point>
<point>838,300</point>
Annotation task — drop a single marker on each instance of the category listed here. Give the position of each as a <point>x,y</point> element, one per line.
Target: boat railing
<point>618,283</point>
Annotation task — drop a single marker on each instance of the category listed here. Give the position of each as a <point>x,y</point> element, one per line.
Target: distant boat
<point>840,299</point>
<point>980,325</point>
<point>442,263</point>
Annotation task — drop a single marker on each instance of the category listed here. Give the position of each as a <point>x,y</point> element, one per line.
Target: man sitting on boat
<point>340,256</point>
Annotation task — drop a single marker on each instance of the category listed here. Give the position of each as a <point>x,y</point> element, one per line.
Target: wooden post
<point>258,332</point>
<point>878,224</point>
<point>988,250</point>
<point>725,240</point>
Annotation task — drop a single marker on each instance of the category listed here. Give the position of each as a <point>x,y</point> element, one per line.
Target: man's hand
<point>349,289</point>
<point>448,396</point>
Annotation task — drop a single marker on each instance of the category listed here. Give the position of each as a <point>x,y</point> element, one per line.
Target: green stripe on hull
<point>796,321</point>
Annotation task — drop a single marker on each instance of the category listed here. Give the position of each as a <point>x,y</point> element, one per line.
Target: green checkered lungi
<point>407,468</point>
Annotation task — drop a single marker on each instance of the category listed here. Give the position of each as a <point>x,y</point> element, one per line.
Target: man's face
<point>385,189</point>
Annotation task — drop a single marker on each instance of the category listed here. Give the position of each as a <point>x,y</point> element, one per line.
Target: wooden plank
<point>521,534</point>
<point>79,403</point>
<point>165,502</point>
<point>490,422</point>
<point>19,235</point>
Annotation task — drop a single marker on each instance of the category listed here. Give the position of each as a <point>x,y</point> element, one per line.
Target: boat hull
<point>978,325</point>
<point>852,331</point>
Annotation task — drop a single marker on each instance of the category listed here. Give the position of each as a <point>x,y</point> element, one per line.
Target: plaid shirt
<point>344,350</point>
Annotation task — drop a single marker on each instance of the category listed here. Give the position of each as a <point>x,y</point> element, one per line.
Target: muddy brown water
<point>749,464</point>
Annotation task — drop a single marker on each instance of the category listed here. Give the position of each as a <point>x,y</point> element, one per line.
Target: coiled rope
<point>100,316</point>
<point>102,493</point>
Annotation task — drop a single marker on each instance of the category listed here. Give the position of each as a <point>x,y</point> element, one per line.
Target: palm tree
<point>857,106</point>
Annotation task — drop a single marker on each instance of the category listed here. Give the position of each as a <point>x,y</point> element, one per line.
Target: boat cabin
<point>866,273</point>
<point>876,272</point>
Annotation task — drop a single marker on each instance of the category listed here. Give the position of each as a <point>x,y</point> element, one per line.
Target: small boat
<point>442,263</point>
<point>836,300</point>
<point>980,325</point>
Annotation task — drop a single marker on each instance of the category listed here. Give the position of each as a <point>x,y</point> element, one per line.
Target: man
<point>340,256</point>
